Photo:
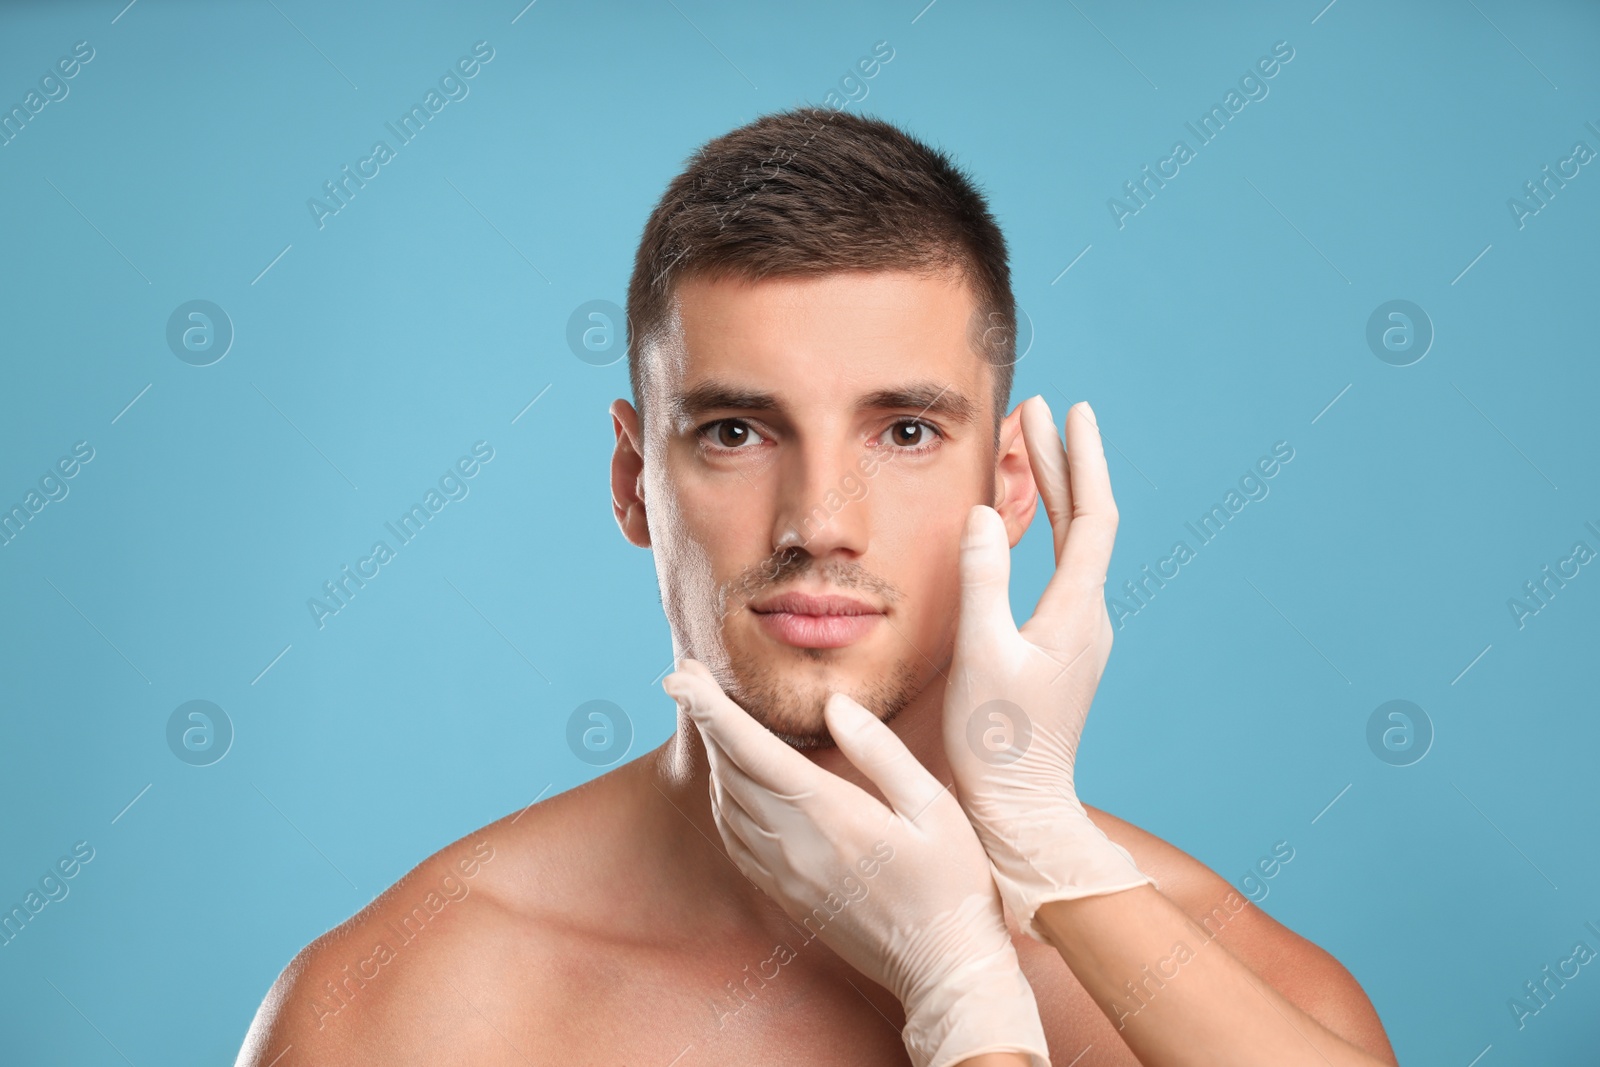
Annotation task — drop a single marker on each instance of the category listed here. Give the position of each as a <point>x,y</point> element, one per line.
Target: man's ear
<point>627,474</point>
<point>1016,494</point>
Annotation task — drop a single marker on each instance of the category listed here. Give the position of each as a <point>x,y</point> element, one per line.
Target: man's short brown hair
<point>813,191</point>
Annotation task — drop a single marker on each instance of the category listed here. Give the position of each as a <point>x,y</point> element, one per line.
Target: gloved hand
<point>1016,701</point>
<point>902,892</point>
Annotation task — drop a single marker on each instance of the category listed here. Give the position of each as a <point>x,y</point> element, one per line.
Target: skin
<point>609,924</point>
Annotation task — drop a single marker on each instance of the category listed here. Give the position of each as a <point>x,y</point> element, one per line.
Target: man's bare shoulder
<point>480,931</point>
<point>1305,974</point>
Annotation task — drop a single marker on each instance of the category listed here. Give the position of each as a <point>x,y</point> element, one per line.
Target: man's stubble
<point>793,710</point>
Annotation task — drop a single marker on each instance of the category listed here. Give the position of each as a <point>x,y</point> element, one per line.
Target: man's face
<point>821,437</point>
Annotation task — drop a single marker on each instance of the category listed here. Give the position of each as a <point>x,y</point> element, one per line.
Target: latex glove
<point>1016,701</point>
<point>902,892</point>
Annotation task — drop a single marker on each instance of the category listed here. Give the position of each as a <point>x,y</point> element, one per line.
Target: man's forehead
<point>868,340</point>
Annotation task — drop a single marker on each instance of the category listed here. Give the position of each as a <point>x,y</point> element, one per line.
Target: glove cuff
<point>1057,855</point>
<point>971,996</point>
<point>988,1006</point>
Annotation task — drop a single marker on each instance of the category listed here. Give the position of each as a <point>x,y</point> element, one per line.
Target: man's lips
<point>816,621</point>
<point>804,604</point>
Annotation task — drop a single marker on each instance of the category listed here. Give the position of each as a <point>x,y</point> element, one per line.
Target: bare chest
<point>780,1005</point>
<point>784,1005</point>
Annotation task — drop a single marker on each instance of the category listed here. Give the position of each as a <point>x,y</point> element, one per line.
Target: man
<point>821,345</point>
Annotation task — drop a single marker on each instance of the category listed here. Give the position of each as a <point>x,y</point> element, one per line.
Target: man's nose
<point>816,510</point>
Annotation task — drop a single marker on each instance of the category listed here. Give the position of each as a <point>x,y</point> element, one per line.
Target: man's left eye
<point>913,434</point>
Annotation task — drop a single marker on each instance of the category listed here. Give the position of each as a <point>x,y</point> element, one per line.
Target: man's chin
<point>789,703</point>
<point>805,742</point>
<point>796,722</point>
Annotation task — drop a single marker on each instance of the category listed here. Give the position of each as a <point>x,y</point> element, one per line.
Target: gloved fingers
<point>746,742</point>
<point>1081,570</point>
<point>985,572</point>
<point>1047,455</point>
<point>753,838</point>
<point>735,835</point>
<point>729,784</point>
<point>826,818</point>
<point>732,824</point>
<point>877,752</point>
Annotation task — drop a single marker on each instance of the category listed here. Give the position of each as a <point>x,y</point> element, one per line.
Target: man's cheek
<point>931,609</point>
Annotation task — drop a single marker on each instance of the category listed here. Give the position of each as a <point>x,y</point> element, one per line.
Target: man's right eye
<point>728,435</point>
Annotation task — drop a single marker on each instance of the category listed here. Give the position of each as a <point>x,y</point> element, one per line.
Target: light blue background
<point>1223,317</point>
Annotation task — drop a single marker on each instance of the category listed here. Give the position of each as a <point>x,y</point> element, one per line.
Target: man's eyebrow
<point>925,398</point>
<point>715,396</point>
